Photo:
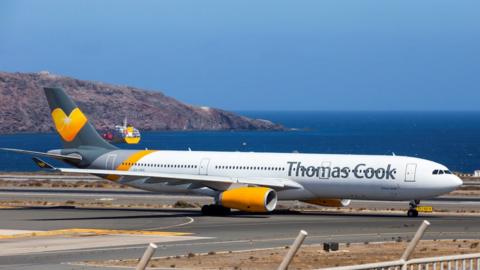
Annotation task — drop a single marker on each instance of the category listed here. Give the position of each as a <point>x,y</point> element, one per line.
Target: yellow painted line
<point>7,207</point>
<point>91,232</point>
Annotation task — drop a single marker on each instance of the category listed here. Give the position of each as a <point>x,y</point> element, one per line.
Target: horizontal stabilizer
<point>42,164</point>
<point>43,154</point>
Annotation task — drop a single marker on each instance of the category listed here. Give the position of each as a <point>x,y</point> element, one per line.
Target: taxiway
<point>202,234</point>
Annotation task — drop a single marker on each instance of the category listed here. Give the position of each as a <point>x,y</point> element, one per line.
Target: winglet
<point>42,164</point>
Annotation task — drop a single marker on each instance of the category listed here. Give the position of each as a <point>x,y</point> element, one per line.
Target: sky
<point>258,55</point>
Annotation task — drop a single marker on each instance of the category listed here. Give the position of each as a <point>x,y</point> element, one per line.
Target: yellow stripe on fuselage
<point>128,163</point>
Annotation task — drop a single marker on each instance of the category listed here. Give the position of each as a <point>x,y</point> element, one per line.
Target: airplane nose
<point>456,181</point>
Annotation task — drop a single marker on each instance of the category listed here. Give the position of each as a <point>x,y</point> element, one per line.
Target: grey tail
<point>71,124</point>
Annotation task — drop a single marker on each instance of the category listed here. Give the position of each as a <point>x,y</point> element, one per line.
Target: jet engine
<point>329,202</point>
<point>249,199</point>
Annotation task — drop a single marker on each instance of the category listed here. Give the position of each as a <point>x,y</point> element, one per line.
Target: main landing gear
<point>215,210</point>
<point>412,211</point>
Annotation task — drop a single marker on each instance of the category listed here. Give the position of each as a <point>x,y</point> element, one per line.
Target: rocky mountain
<point>23,107</point>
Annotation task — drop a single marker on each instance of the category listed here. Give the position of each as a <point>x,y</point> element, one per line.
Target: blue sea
<point>451,138</point>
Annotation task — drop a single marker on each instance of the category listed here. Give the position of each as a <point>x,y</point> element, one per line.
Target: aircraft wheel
<point>412,213</point>
<point>206,209</point>
<point>225,211</point>
<point>215,210</point>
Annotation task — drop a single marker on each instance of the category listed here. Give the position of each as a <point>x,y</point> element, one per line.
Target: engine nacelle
<point>329,202</point>
<point>249,199</point>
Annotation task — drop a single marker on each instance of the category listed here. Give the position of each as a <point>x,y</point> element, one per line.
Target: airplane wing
<point>196,181</point>
<point>179,179</point>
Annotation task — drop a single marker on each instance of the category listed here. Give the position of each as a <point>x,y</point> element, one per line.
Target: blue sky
<point>258,55</point>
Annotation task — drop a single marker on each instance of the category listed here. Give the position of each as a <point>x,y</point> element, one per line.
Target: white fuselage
<point>365,177</point>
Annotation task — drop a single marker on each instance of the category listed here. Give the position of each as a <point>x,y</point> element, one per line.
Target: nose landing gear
<point>412,211</point>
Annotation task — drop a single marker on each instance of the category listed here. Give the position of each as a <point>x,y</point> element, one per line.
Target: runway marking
<point>190,220</point>
<point>14,232</point>
<point>89,232</point>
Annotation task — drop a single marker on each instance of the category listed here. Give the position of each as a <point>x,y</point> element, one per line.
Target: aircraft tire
<point>215,210</point>
<point>412,213</point>
<point>206,210</point>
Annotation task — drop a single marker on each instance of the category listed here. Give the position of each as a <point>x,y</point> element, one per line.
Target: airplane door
<point>410,172</point>
<point>203,170</point>
<point>110,163</point>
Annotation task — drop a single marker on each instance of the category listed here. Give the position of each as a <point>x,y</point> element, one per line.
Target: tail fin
<point>71,124</point>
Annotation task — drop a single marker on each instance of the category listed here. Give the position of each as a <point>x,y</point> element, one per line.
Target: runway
<point>134,196</point>
<point>236,232</point>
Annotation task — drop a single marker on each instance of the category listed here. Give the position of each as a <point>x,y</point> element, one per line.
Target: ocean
<point>450,138</point>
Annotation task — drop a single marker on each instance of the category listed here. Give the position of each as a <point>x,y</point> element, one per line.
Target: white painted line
<point>105,199</point>
<point>13,232</point>
<point>190,220</point>
<point>47,194</point>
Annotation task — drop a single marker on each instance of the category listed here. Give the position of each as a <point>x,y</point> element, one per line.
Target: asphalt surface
<point>236,232</point>
<point>135,197</point>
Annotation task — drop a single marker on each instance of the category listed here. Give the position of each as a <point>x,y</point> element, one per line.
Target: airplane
<point>250,182</point>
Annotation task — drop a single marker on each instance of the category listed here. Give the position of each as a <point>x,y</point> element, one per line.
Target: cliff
<point>23,107</point>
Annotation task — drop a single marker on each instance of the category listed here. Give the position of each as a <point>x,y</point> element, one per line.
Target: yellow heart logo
<point>68,126</point>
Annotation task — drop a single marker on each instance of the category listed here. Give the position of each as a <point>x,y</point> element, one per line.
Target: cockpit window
<point>441,172</point>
